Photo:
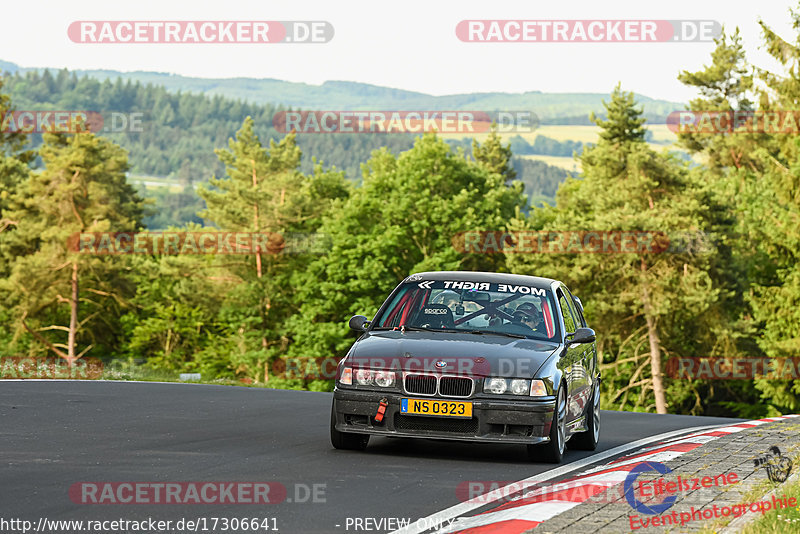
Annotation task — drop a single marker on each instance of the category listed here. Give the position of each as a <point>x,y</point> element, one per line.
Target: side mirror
<point>581,335</point>
<point>359,323</point>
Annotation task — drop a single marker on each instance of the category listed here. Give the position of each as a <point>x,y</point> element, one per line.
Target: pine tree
<point>264,192</point>
<point>81,189</point>
<point>634,300</point>
<point>494,156</point>
<point>14,160</point>
<point>624,122</point>
<point>732,164</point>
<point>14,170</point>
<point>725,86</point>
<point>757,177</point>
<point>776,299</point>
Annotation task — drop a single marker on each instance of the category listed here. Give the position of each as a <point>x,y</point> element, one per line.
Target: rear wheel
<point>553,451</point>
<point>346,440</point>
<point>587,441</point>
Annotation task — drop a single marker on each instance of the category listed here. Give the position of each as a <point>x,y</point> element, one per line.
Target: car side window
<point>569,313</point>
<point>578,309</point>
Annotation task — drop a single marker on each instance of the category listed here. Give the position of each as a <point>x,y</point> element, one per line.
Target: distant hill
<point>5,66</point>
<point>179,132</point>
<point>551,108</point>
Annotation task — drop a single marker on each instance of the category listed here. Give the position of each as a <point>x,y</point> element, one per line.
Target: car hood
<point>451,353</point>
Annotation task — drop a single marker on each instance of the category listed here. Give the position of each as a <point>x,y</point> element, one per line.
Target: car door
<point>591,353</point>
<point>571,361</point>
<point>585,369</point>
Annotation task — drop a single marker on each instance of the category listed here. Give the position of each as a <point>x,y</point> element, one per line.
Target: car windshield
<point>476,307</point>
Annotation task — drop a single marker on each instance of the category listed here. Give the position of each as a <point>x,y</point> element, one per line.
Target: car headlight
<point>498,386</point>
<point>514,386</point>
<point>520,387</point>
<point>364,377</point>
<point>370,377</point>
<point>384,379</point>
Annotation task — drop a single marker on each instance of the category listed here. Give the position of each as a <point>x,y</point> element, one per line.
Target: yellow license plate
<point>439,408</point>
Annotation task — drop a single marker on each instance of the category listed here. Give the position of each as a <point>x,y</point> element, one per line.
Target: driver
<point>530,316</point>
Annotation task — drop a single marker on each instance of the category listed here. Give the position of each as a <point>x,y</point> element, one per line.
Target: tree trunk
<point>259,272</point>
<point>655,346</point>
<point>255,222</point>
<point>73,316</point>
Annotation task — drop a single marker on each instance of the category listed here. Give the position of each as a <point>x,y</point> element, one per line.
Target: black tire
<point>587,441</point>
<point>346,440</point>
<point>553,451</point>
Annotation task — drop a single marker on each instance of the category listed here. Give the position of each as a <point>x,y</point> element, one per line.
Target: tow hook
<point>381,410</point>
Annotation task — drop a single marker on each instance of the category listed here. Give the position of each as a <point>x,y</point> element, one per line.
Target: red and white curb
<point>530,509</point>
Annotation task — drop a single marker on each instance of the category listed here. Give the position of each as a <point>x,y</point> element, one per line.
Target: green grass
<point>663,138</point>
<point>779,521</point>
<point>151,183</point>
<point>573,132</point>
<point>141,373</point>
<point>567,163</point>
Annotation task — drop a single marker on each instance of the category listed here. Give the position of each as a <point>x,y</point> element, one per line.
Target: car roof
<point>478,276</point>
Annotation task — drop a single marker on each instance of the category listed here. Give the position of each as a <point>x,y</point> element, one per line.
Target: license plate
<point>439,408</point>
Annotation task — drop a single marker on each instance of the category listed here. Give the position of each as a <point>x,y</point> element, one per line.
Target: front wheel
<point>346,440</point>
<point>587,441</point>
<point>553,451</point>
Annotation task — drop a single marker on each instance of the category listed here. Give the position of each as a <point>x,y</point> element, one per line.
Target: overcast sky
<point>409,45</point>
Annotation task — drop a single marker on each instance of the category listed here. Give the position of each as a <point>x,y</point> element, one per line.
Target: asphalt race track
<point>54,434</point>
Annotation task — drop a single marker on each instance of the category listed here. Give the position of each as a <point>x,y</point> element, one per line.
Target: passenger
<point>449,299</point>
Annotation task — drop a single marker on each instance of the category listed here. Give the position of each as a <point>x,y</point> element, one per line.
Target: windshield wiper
<point>406,328</point>
<point>507,334</point>
<point>483,332</point>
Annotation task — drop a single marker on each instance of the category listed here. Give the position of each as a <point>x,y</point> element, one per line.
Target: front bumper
<point>493,420</point>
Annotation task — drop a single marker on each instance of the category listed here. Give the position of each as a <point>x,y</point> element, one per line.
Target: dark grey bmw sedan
<point>473,356</point>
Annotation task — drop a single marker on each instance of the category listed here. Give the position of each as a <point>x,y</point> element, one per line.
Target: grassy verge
<point>141,373</point>
<point>566,163</point>
<point>782,520</point>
